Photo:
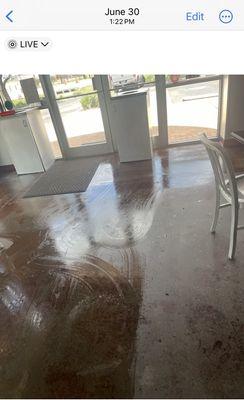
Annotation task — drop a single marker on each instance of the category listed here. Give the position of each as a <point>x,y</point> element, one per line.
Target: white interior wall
<point>232,115</point>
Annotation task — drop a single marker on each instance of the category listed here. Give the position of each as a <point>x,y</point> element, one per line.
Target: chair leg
<point>233,231</point>
<point>216,212</point>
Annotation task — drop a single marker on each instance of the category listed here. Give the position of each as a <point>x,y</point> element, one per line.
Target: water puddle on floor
<point>5,243</point>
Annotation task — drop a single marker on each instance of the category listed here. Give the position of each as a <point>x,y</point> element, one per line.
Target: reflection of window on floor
<point>192,109</point>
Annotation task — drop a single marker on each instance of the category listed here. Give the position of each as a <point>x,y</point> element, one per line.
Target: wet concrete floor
<point>121,291</point>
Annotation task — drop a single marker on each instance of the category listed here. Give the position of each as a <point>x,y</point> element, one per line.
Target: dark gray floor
<point>121,291</point>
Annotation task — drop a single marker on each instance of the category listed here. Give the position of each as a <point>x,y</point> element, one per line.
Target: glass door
<point>192,107</point>
<point>78,105</point>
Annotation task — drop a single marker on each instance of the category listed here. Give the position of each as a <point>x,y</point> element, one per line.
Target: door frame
<point>87,150</point>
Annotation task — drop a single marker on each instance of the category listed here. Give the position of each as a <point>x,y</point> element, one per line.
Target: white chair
<point>229,188</point>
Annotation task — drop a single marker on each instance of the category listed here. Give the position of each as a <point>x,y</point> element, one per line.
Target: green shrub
<point>19,102</point>
<point>149,78</point>
<point>85,89</point>
<point>89,101</point>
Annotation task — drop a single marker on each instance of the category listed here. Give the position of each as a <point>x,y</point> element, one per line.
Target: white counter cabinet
<point>27,142</point>
<point>132,128</point>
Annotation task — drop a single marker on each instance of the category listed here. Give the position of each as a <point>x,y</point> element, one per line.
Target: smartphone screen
<point>121,191</point>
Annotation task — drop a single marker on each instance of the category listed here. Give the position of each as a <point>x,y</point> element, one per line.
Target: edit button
<point>194,16</point>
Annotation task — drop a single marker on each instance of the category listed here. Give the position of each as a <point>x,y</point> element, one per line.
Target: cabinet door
<point>21,145</point>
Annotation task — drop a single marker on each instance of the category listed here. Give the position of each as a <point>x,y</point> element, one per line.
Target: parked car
<point>126,82</point>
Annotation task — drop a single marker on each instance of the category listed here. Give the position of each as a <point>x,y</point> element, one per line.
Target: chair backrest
<point>222,168</point>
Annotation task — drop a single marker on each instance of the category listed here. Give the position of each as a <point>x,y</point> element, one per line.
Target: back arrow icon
<point>8,16</point>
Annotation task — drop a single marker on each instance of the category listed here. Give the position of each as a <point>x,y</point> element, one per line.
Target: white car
<point>126,82</point>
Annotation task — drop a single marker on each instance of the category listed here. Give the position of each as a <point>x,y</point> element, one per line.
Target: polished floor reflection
<point>121,291</point>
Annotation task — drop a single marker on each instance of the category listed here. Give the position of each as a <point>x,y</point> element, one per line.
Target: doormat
<point>65,176</point>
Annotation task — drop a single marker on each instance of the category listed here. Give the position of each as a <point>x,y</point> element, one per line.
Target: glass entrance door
<point>80,107</point>
<point>192,107</point>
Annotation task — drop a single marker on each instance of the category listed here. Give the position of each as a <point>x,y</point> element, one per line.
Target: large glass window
<point>192,109</point>
<point>14,89</point>
<point>183,78</point>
